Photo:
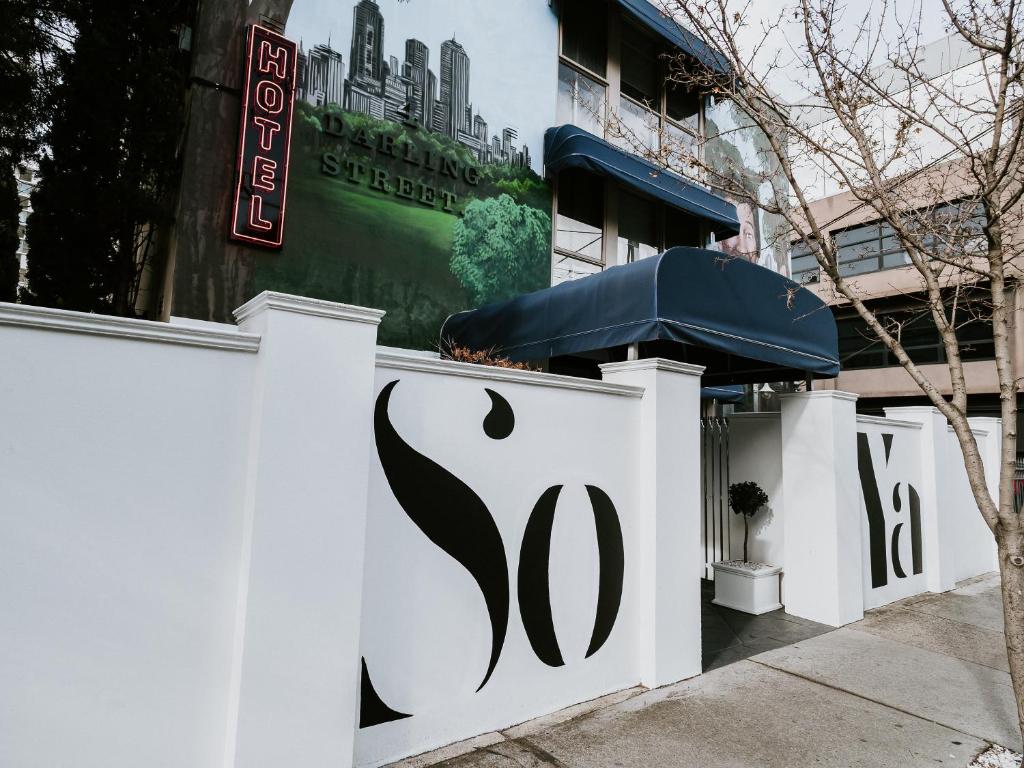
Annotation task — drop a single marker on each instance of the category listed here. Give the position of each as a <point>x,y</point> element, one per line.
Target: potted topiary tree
<point>741,584</point>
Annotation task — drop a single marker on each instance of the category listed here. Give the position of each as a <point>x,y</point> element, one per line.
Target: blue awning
<point>652,19</point>
<point>743,322</point>
<point>570,147</point>
<point>727,393</point>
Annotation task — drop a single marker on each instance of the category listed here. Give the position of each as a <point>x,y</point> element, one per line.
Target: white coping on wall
<point>410,361</point>
<point>980,431</point>
<point>44,318</point>
<point>863,418</point>
<point>302,305</point>
<point>653,363</point>
<point>835,394</point>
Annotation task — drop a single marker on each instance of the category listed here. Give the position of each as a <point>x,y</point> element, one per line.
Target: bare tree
<point>902,141</point>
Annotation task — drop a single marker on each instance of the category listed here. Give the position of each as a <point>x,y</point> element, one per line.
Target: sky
<point>928,14</point>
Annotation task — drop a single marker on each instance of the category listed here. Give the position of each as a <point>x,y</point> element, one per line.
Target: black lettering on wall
<point>876,518</point>
<point>372,709</point>
<point>501,420</point>
<point>613,565</point>
<point>451,515</point>
<point>534,584</point>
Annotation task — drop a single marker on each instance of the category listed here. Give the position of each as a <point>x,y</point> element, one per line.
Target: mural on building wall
<point>457,521</point>
<point>735,144</point>
<point>414,182</point>
<point>885,537</point>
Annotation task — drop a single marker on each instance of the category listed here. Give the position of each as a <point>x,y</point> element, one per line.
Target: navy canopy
<point>666,28</point>
<point>570,147</point>
<point>743,322</point>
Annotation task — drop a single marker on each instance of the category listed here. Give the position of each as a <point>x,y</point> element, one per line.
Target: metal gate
<point>714,482</point>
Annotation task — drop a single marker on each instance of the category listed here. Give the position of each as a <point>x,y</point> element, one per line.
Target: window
<point>581,100</point>
<point>580,219</point>
<point>640,128</point>
<point>640,67</point>
<point>638,229</point>
<point>954,228</point>
<point>682,105</point>
<point>585,34</point>
<point>860,348</point>
<point>565,268</point>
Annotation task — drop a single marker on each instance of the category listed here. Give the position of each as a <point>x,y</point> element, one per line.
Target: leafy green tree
<point>500,249</point>
<point>103,192</point>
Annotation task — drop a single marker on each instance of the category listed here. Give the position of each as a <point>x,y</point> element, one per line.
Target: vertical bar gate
<point>714,480</point>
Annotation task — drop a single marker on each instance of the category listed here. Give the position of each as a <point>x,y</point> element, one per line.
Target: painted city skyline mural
<point>414,179</point>
<point>378,84</point>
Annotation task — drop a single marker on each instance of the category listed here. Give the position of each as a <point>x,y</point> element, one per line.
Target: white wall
<point>426,634</point>
<point>122,473</point>
<point>200,542</point>
<point>896,477</point>
<point>976,548</point>
<point>755,453</point>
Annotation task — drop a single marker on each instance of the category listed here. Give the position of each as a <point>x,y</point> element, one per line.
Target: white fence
<point>889,494</point>
<point>278,545</point>
<point>274,545</point>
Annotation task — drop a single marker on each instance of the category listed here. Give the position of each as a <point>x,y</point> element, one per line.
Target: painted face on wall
<point>746,244</point>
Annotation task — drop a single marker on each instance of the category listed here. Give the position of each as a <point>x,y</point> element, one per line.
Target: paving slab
<point>742,715</point>
<point>963,695</point>
<point>979,603</point>
<point>937,633</point>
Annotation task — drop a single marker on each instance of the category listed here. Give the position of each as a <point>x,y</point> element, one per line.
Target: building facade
<point>876,265</point>
<point>419,180</point>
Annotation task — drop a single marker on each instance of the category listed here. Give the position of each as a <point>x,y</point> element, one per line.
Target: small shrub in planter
<point>745,499</point>
<point>745,586</point>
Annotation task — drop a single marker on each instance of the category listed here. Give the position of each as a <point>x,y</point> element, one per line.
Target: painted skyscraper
<point>455,88</point>
<point>367,59</point>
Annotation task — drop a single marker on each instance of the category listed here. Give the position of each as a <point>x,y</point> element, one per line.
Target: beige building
<point>878,268</point>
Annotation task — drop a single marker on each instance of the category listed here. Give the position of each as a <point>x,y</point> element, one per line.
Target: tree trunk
<point>1011,571</point>
<point>746,534</point>
<point>208,276</point>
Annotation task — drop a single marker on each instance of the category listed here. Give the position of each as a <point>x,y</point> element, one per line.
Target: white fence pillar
<point>668,515</point>
<point>938,518</point>
<point>821,520</point>
<point>296,660</point>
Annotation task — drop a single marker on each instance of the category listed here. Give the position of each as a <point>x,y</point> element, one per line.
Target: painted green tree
<point>501,249</point>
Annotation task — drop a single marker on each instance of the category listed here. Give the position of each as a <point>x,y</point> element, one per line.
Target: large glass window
<point>581,100</point>
<point>638,228</point>
<point>860,348</point>
<point>566,268</point>
<point>640,67</point>
<point>585,34</point>
<point>637,130</point>
<point>580,218</point>
<point>952,228</point>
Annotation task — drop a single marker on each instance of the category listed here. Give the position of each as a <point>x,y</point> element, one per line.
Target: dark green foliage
<point>9,210</point>
<point>500,249</point>
<point>745,499</point>
<point>104,184</point>
<point>31,31</point>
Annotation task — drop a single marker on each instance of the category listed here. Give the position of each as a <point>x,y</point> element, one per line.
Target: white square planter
<point>748,587</point>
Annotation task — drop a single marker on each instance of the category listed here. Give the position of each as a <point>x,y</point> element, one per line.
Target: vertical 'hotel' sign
<point>264,139</point>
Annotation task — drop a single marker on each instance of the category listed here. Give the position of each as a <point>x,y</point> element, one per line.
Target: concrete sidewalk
<point>922,682</point>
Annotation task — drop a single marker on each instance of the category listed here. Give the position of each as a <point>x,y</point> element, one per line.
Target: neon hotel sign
<point>264,139</point>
